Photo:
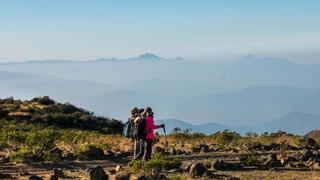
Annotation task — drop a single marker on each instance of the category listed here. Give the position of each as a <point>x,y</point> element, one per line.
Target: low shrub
<point>42,140</point>
<point>251,159</point>
<point>25,155</point>
<point>52,157</point>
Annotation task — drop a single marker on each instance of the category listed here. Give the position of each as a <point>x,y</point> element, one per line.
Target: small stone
<point>119,168</point>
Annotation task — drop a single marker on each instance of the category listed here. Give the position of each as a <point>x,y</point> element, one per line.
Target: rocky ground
<point>298,164</point>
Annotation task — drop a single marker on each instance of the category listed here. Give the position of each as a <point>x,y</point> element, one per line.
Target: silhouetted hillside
<point>47,111</point>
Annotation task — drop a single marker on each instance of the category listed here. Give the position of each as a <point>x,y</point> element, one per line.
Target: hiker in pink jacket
<point>150,127</point>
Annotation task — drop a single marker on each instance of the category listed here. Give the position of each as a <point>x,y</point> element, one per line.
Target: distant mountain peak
<point>179,58</point>
<point>148,56</point>
<point>265,60</point>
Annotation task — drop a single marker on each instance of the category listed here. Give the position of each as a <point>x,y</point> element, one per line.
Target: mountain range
<point>293,122</point>
<point>247,92</point>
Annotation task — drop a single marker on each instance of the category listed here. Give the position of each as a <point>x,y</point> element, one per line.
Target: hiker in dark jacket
<point>134,115</point>
<point>150,127</point>
<point>139,141</point>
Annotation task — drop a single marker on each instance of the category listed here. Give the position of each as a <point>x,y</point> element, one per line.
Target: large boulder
<point>272,147</point>
<point>92,153</point>
<point>272,162</point>
<point>53,177</point>
<point>251,146</point>
<point>197,170</point>
<point>200,148</point>
<point>58,173</point>
<point>97,173</point>
<point>313,134</point>
<point>219,165</point>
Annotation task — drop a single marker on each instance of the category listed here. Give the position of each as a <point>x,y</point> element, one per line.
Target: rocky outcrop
<point>97,173</point>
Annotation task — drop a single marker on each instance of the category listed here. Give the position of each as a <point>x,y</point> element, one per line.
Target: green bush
<point>13,136</point>
<point>155,165</point>
<point>250,159</point>
<point>158,163</point>
<point>177,178</point>
<point>135,166</point>
<point>25,155</point>
<point>52,157</point>
<point>43,140</point>
<point>226,137</point>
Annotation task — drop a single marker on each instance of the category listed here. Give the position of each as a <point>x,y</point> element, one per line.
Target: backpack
<point>140,131</point>
<point>127,129</point>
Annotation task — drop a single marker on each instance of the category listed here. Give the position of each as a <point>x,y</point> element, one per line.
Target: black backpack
<point>139,129</point>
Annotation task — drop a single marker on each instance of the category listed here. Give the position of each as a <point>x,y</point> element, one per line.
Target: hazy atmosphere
<point>233,64</point>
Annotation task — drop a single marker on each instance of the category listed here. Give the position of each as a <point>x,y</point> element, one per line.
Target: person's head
<point>149,111</point>
<point>134,112</point>
<point>140,112</point>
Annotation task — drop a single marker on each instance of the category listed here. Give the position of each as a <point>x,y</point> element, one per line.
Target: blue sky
<point>194,29</point>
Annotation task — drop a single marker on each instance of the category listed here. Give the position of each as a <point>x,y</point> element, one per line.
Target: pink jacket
<point>150,127</point>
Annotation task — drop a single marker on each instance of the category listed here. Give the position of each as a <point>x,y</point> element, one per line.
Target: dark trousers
<point>148,150</point>
<point>139,148</point>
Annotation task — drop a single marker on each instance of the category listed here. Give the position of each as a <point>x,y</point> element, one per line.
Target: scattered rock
<point>34,177</point>
<point>97,173</point>
<point>197,170</point>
